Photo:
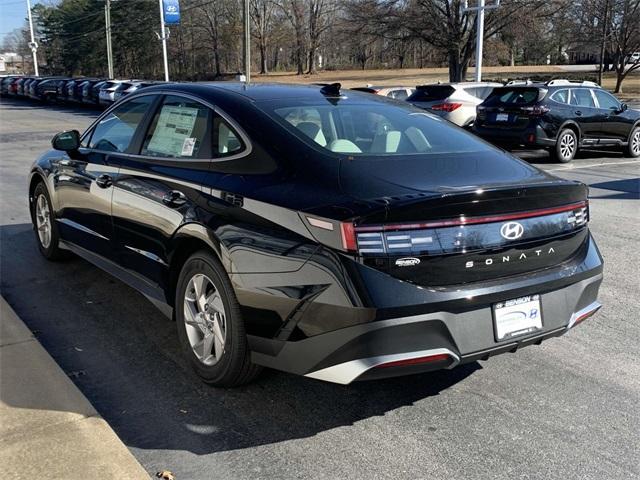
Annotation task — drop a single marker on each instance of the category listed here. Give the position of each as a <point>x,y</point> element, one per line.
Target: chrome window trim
<point>248,146</point>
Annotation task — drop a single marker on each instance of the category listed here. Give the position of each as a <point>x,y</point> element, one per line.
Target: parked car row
<point>558,115</point>
<point>88,91</point>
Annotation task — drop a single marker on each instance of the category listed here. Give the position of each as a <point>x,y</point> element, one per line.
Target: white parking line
<point>593,165</point>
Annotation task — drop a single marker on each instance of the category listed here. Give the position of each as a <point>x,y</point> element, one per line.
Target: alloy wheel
<point>567,145</point>
<point>635,143</point>
<point>43,220</point>
<point>205,319</point>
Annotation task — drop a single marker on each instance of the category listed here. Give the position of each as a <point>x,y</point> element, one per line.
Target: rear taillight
<point>445,107</point>
<point>348,232</point>
<point>464,234</point>
<point>535,110</point>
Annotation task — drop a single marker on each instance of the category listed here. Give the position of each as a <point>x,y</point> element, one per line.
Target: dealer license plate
<point>517,317</point>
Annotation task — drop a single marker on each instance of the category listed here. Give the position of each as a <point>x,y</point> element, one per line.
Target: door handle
<point>104,181</point>
<point>174,199</point>
<point>578,113</point>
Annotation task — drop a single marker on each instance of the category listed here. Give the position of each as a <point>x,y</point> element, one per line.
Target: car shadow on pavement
<point>629,189</point>
<point>123,355</point>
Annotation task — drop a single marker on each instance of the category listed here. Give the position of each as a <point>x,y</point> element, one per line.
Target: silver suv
<point>455,102</point>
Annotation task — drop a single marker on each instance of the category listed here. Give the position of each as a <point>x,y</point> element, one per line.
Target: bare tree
<point>321,14</point>
<point>625,37</point>
<point>262,15</point>
<point>297,13</point>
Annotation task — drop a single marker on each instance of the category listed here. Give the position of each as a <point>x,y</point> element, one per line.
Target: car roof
<point>462,84</point>
<point>263,91</point>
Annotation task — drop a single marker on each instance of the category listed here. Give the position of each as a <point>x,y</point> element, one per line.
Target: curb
<point>48,428</point>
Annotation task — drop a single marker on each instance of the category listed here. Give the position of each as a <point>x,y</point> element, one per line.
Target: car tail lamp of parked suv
<point>445,107</point>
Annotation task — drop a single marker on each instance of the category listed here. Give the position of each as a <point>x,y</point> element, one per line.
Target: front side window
<point>581,97</point>
<point>115,131</point>
<point>373,129</point>
<point>606,100</point>
<point>178,130</point>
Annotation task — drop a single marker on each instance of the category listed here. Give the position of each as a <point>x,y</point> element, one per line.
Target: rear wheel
<point>210,326</point>
<point>566,146</point>
<point>44,225</point>
<point>633,147</point>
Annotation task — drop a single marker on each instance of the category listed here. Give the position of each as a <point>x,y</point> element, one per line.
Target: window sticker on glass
<point>174,128</point>
<point>187,146</point>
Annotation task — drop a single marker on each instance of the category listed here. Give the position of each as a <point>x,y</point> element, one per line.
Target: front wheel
<point>566,146</point>
<point>633,146</point>
<point>210,326</point>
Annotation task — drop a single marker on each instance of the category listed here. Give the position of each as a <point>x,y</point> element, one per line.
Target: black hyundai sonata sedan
<point>331,234</point>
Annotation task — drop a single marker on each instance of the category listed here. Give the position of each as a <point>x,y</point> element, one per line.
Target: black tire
<point>234,367</point>
<point>51,250</point>
<point>566,146</point>
<point>633,146</point>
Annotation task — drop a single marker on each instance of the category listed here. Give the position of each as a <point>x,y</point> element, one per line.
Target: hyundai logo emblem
<point>511,230</point>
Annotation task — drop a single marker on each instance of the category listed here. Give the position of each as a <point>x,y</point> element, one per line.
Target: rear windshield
<point>429,93</point>
<point>512,96</point>
<point>108,85</point>
<point>372,129</point>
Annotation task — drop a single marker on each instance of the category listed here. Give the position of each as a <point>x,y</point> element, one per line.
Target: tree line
<point>307,35</point>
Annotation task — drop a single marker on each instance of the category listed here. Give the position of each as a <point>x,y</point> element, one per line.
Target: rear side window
<point>226,141</point>
<point>115,131</point>
<point>561,96</point>
<point>479,92</point>
<point>606,100</point>
<point>512,96</point>
<point>430,93</point>
<point>178,130</point>
<point>398,94</point>
<point>582,97</point>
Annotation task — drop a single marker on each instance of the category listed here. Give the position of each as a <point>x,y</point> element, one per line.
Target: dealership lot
<point>566,409</point>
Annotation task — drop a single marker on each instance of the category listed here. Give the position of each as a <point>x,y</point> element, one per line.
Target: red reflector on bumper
<point>440,357</point>
<point>584,316</point>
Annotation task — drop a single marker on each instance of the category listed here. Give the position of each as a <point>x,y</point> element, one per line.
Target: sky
<point>13,14</point>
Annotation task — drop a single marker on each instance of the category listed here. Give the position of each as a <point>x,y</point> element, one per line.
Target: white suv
<point>455,102</point>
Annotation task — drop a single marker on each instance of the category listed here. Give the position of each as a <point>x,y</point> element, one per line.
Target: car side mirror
<point>68,141</point>
<point>624,107</point>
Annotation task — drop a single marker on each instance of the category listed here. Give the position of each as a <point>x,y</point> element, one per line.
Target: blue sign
<point>171,11</point>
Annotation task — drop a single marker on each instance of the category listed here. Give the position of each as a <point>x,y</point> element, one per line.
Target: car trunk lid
<point>460,220</point>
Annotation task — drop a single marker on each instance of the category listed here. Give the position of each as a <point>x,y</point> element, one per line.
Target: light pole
<point>33,44</point>
<point>107,21</point>
<point>247,43</point>
<point>480,8</point>
<point>163,37</point>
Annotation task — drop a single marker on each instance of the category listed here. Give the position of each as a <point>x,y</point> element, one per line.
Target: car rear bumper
<point>450,336</point>
<point>529,137</point>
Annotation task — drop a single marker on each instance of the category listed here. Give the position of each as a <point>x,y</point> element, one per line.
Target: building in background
<point>11,63</point>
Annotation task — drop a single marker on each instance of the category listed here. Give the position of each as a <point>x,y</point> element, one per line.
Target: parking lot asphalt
<point>568,409</point>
